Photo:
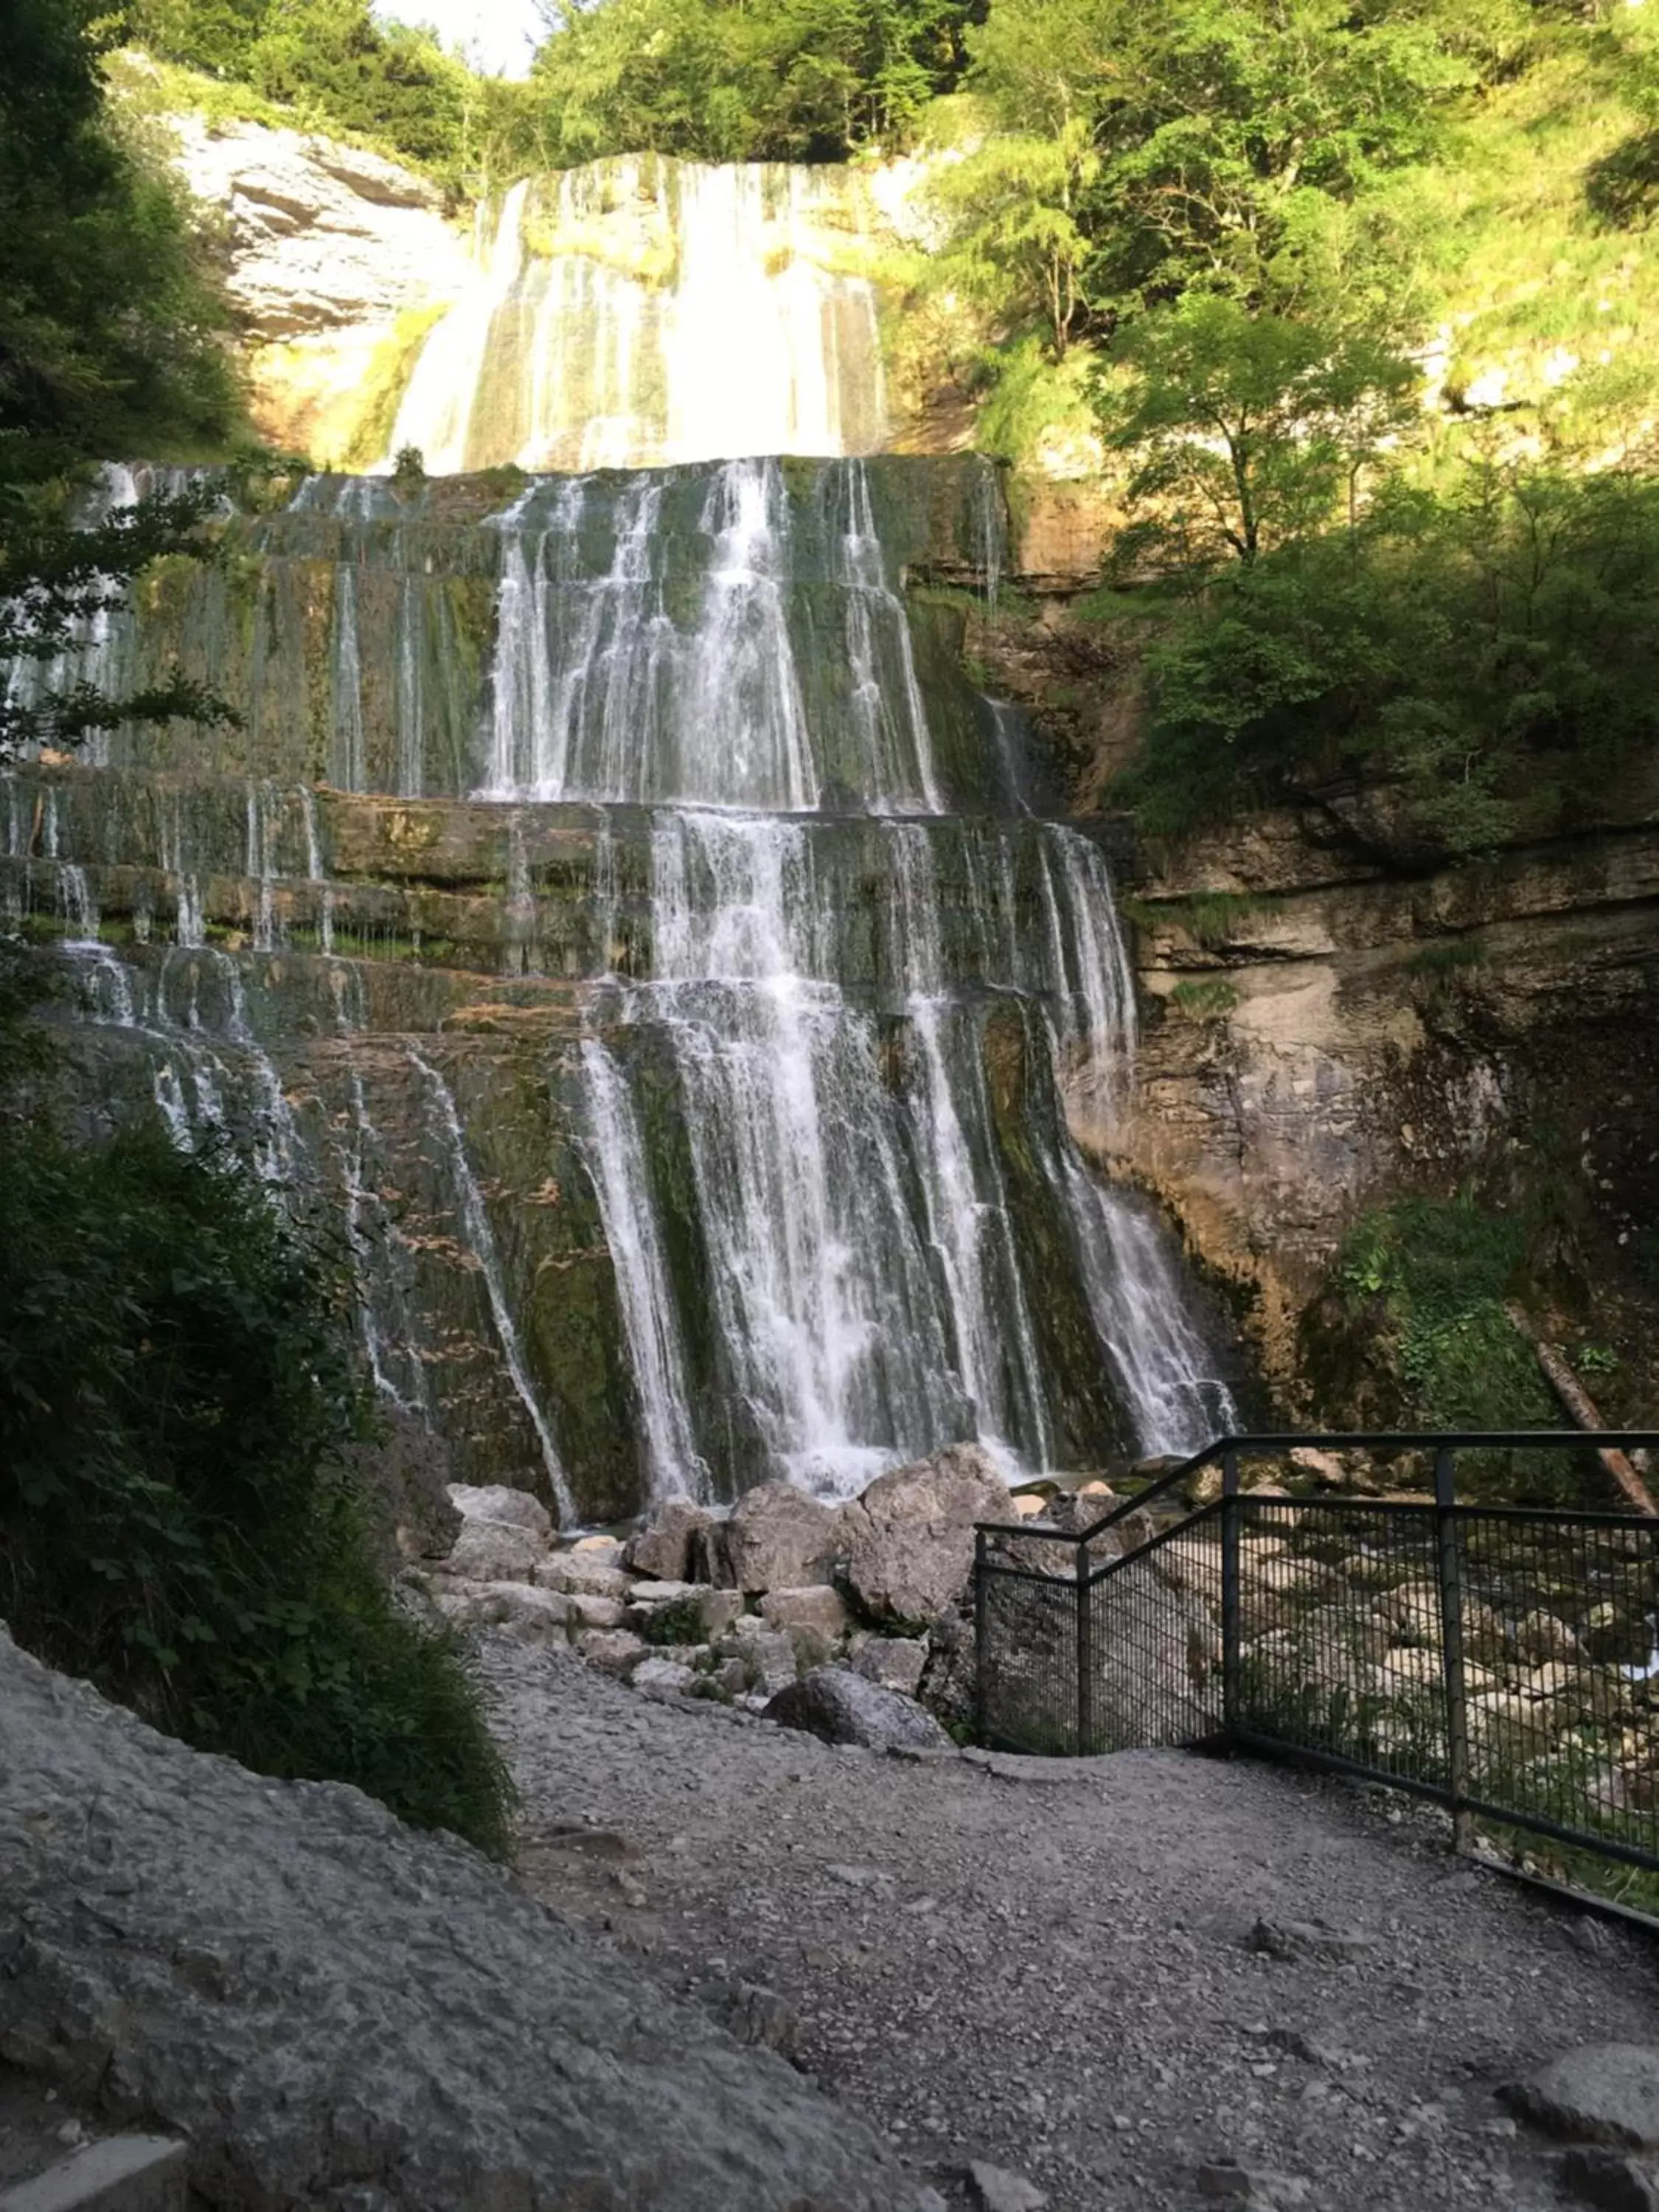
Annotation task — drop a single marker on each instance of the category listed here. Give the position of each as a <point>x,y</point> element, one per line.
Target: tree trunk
<point>1578,1402</point>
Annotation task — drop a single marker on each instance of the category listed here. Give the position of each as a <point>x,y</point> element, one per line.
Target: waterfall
<point>780,991</point>
<point>599,330</point>
<point>873,1292</point>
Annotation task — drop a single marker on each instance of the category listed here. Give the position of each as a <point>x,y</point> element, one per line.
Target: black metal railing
<point>1503,1659</point>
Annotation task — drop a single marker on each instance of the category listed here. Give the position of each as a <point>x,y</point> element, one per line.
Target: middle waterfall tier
<point>689,1024</point>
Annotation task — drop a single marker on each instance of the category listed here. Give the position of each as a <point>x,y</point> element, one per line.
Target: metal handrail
<point>1455,1559</point>
<point>1282,1443</point>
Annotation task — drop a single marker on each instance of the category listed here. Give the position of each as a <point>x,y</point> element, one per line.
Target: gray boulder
<point>910,1539</point>
<point>843,1707</point>
<point>499,1501</point>
<point>777,1538</point>
<point>666,1548</point>
<point>338,2012</point>
<point>494,1551</point>
<point>533,1616</point>
<point>1602,2092</point>
<point>896,1662</point>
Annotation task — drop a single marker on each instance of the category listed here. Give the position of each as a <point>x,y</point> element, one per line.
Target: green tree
<point>178,1520</point>
<point>1017,244</point>
<point>109,329</point>
<point>1245,429</point>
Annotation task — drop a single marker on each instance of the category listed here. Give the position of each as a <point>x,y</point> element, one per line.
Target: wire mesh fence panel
<point>1341,1648</point>
<point>1561,1672</point>
<point>1028,1674</point>
<point>1152,1674</point>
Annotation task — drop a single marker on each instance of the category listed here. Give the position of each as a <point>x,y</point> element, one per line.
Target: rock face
<point>910,1537</point>
<point>329,249</point>
<point>341,2013</point>
<point>841,1707</point>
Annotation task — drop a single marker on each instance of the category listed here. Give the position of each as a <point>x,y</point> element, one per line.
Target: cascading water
<point>599,329</point>
<point>690,1065</point>
<point>860,1245</point>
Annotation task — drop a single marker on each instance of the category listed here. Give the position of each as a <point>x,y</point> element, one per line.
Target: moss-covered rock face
<point>618,911</point>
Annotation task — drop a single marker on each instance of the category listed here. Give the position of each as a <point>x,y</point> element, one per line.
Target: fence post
<point>1085,1657</point>
<point>1229,1592</point>
<point>1449,1555</point>
<point>980,1610</point>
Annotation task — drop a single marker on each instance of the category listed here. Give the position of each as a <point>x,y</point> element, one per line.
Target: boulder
<point>895,1661</point>
<point>777,1538</point>
<point>534,1616</point>
<point>612,1651</point>
<point>567,1571</point>
<point>590,1612</point>
<point>767,1655</point>
<point>1605,2092</point>
<point>818,1608</point>
<point>910,1537</point>
<point>337,2009</point>
<point>843,1707</point>
<point>664,1548</point>
<point>499,1501</point>
<point>718,1609</point>
<point>664,1677</point>
<point>494,1551</point>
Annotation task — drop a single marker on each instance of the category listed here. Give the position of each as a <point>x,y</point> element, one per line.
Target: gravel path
<point>1049,1965</point>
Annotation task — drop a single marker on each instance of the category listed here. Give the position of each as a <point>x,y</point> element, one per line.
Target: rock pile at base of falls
<point>340,2013</point>
<point>861,1599</point>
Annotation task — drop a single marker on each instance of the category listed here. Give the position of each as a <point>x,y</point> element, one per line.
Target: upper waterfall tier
<point>642,311</point>
<point>735,635</point>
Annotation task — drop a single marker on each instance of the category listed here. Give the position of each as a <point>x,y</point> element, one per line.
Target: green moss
<point>384,381</point>
<point>1208,999</point>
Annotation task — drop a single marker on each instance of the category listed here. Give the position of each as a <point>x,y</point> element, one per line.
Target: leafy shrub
<point>177,1387</point>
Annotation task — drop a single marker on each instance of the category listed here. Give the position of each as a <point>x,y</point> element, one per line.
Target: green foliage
<point>333,64</point>
<point>108,327</point>
<point>678,1622</point>
<point>1205,1000</point>
<point>1491,652</point>
<point>1246,429</point>
<point>802,80</point>
<point>1436,1274</point>
<point>57,580</point>
<point>177,1389</point>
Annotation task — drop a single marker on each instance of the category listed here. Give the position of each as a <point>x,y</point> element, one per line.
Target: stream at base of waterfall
<point>841,995</point>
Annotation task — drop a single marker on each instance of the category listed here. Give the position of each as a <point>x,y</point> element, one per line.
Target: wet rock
<point>665,1548</point>
<point>909,1538</point>
<point>499,1501</point>
<point>895,1661</point>
<point>996,2189</point>
<point>494,1551</point>
<point>777,1538</point>
<point>843,1707</point>
<point>534,1616</point>
<point>818,1608</point>
<point>1603,2093</point>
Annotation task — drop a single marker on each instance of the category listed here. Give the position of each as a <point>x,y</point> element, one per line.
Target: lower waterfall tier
<point>670,1149</point>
